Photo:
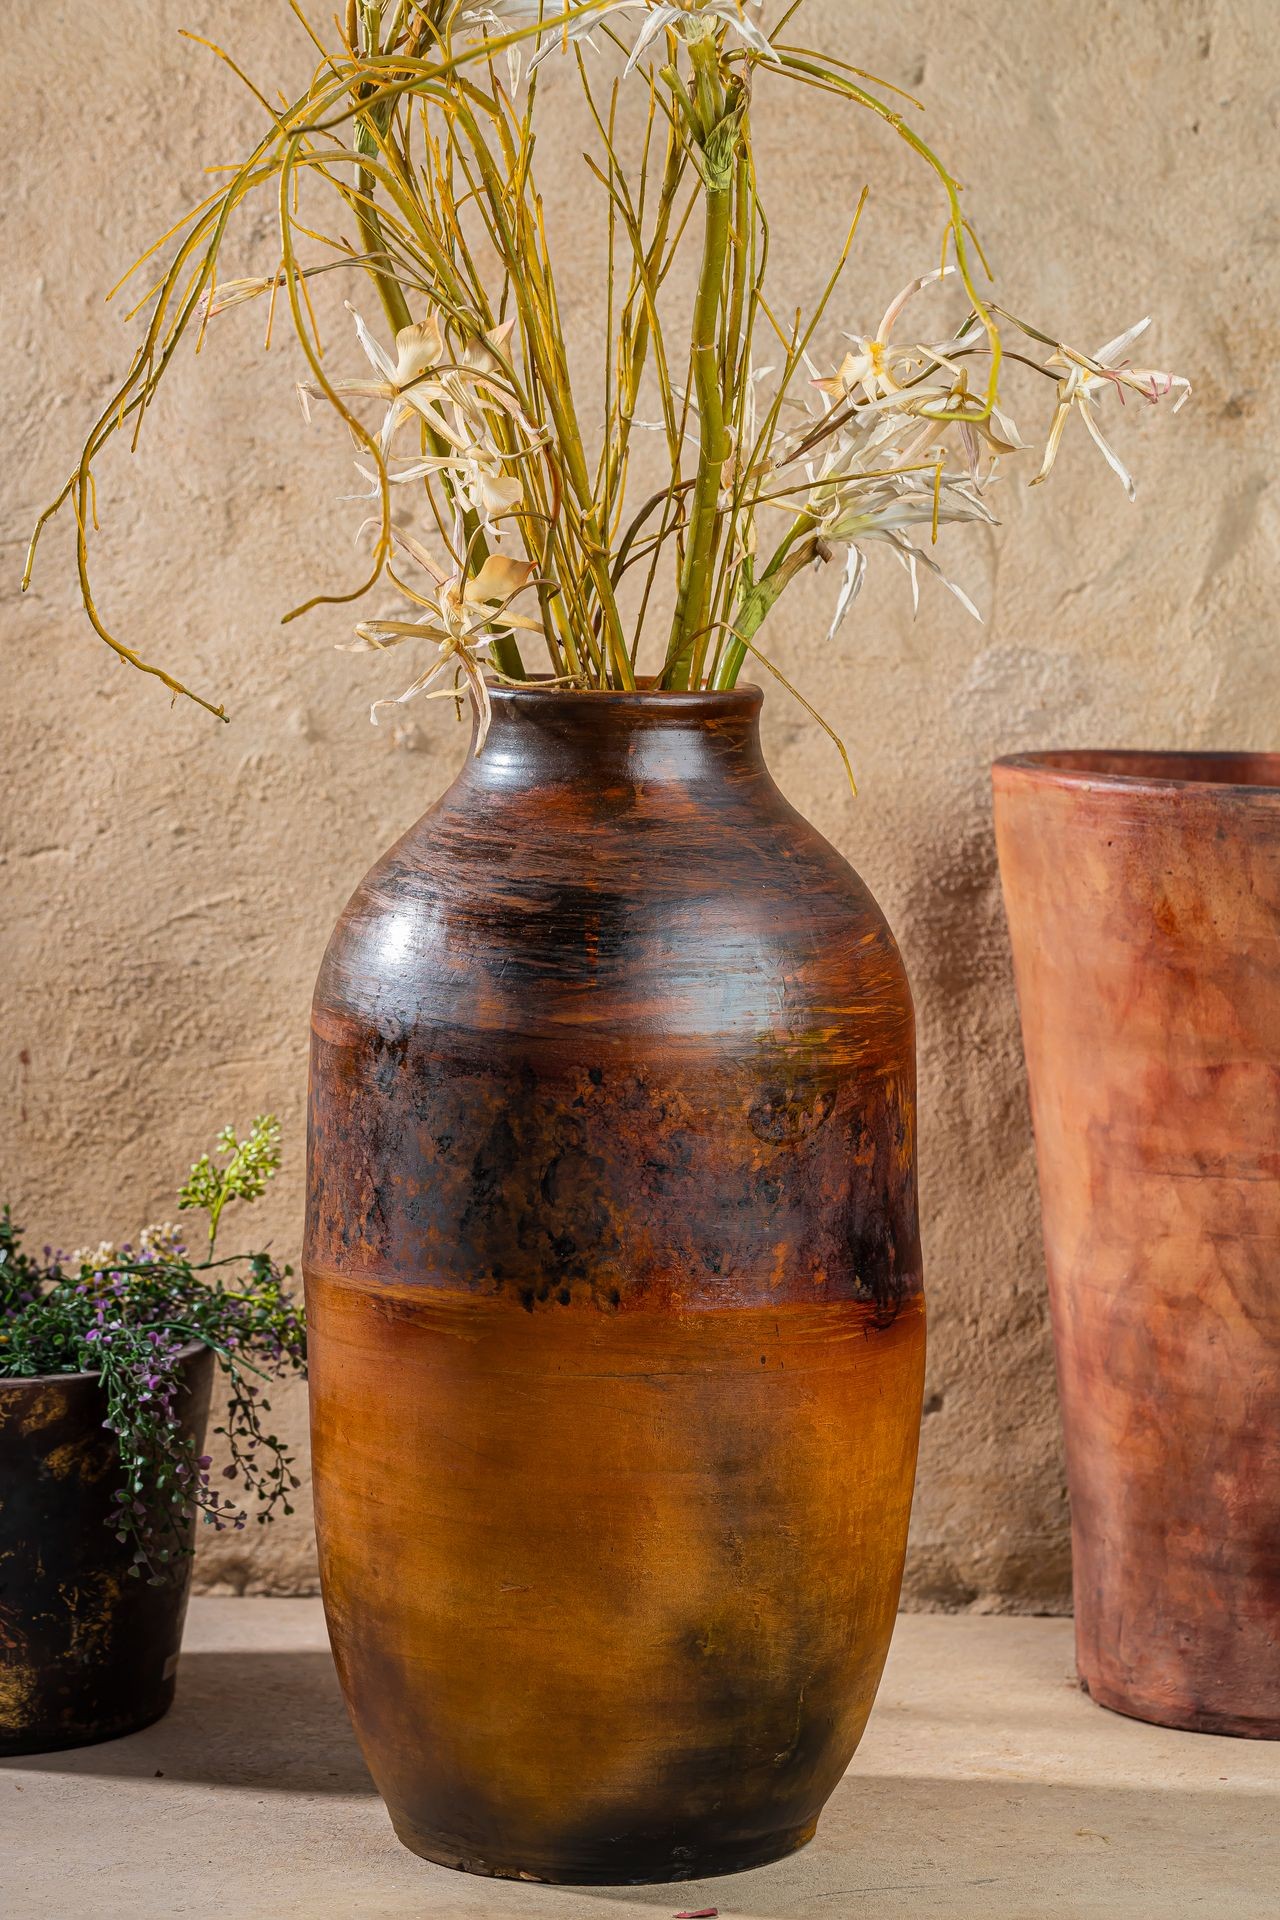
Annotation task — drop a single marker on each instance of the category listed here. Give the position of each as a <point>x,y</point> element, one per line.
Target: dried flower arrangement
<point>519,534</point>
<point>128,1313</point>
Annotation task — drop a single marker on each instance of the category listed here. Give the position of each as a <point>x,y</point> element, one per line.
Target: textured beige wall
<point>169,884</point>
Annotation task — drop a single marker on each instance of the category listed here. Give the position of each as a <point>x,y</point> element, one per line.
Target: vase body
<point>1143,896</point>
<point>614,1300</point>
<point>86,1652</point>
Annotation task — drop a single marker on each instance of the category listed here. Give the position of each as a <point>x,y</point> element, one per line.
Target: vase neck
<point>556,737</point>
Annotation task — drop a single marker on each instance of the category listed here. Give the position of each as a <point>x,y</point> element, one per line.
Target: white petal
<point>418,349</point>
<point>418,471</point>
<point>896,305</point>
<point>420,685</point>
<point>378,636</point>
<point>416,551</point>
<point>855,572</point>
<point>1053,443</point>
<point>920,559</point>
<point>1008,429</point>
<point>377,355</point>
<point>658,20</point>
<point>557,37</point>
<point>500,578</point>
<point>479,699</point>
<point>746,30</point>
<point>493,495</point>
<point>908,556</point>
<point>1108,355</point>
<point>1109,455</point>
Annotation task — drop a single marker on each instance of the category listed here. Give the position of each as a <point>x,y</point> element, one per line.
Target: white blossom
<point>1088,377</point>
<point>691,19</point>
<point>464,615</point>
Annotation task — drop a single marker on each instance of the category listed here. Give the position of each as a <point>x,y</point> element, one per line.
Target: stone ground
<point>987,1788</point>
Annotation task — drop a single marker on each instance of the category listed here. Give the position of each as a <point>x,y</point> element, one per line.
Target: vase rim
<point>1135,769</point>
<point>645,697</point>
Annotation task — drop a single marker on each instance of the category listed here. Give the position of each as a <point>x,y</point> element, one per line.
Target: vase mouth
<point>540,692</point>
<point>1135,769</point>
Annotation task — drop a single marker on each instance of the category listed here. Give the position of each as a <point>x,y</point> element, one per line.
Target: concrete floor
<point>987,1788</point>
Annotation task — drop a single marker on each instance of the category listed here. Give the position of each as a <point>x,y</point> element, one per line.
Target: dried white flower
<point>452,392</point>
<point>464,616</point>
<point>691,19</point>
<point>1087,378</point>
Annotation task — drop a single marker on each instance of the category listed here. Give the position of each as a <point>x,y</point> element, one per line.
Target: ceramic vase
<point>1143,895</point>
<point>614,1294</point>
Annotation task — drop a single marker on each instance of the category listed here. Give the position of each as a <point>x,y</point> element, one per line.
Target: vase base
<point>1182,1717</point>
<point>642,1869</point>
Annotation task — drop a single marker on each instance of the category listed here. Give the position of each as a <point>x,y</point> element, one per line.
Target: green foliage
<point>249,1164</point>
<point>131,1314</point>
<point>19,1274</point>
<point>408,168</point>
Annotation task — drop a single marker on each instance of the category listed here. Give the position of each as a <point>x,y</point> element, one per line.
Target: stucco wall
<point>169,884</point>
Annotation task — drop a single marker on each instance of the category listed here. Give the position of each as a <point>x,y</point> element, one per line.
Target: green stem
<point>694,597</point>
<point>798,549</point>
<point>505,651</point>
<point>556,386</point>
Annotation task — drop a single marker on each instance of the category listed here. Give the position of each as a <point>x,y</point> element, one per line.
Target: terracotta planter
<point>1143,893</point>
<point>86,1652</point>
<point>613,1285</point>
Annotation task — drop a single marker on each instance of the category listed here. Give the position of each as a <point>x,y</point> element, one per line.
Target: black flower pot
<point>87,1652</point>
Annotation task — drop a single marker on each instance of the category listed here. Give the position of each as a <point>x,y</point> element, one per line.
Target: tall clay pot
<point>1143,894</point>
<point>86,1652</point>
<point>614,1294</point>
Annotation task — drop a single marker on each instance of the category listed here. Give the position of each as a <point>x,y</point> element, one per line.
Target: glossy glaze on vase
<point>1143,893</point>
<point>86,1652</point>
<point>613,1283</point>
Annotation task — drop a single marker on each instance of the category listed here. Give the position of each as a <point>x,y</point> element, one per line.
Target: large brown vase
<point>614,1291</point>
<point>86,1652</point>
<point>1143,894</point>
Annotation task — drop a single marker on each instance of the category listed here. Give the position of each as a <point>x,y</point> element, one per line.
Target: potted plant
<point>107,1362</point>
<point>612,1259</point>
<point>1143,896</point>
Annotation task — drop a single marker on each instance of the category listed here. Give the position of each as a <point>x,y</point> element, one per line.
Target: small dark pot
<point>86,1652</point>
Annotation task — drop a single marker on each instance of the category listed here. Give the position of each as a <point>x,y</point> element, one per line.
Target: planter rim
<point>1155,770</point>
<point>8,1380</point>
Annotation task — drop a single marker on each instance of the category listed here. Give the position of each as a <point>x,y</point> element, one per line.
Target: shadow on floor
<point>936,1848</point>
<point>999,1846</point>
<point>271,1721</point>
